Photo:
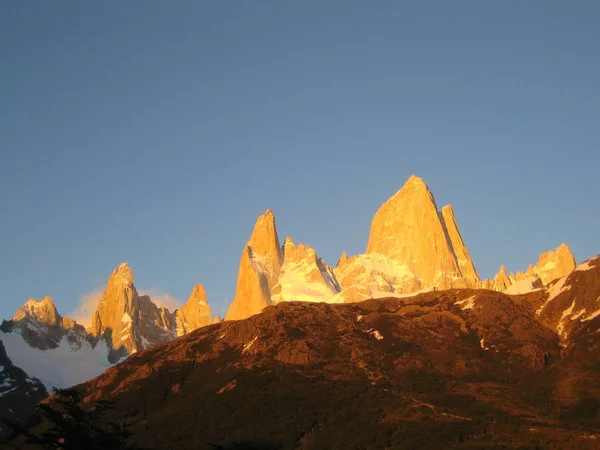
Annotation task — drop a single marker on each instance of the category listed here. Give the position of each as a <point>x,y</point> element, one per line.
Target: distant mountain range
<point>416,261</point>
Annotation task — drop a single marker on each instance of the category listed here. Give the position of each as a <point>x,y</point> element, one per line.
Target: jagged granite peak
<point>343,259</point>
<point>465,263</point>
<point>407,228</point>
<point>41,326</point>
<point>555,264</point>
<point>501,280</point>
<point>252,292</point>
<point>114,318</point>
<point>128,322</point>
<point>264,240</point>
<point>303,276</point>
<point>260,265</point>
<point>43,311</point>
<point>195,313</point>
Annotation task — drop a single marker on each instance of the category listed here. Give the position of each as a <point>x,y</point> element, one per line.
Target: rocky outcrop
<point>551,265</point>
<point>501,280</point>
<point>259,269</point>
<point>555,264</point>
<point>195,313</point>
<point>129,322</point>
<point>465,263</point>
<point>303,276</point>
<point>409,229</point>
<point>270,274</point>
<point>572,302</point>
<point>114,318</point>
<point>363,276</point>
<point>42,327</point>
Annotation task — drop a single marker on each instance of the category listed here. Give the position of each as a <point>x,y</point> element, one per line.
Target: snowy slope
<point>522,287</point>
<point>61,367</point>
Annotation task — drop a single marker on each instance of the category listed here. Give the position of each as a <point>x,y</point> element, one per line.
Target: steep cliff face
<point>304,276</point>
<point>552,265</point>
<point>195,313</point>
<point>465,263</point>
<point>129,322</point>
<point>41,326</point>
<point>555,264</point>
<point>114,318</point>
<point>270,274</point>
<point>409,229</point>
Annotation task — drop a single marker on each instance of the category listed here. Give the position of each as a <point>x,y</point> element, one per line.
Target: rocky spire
<point>407,228</point>
<point>195,313</point>
<point>43,311</point>
<point>555,264</point>
<point>252,293</point>
<point>304,276</point>
<point>116,315</point>
<point>343,259</point>
<point>501,280</point>
<point>259,269</point>
<point>465,263</point>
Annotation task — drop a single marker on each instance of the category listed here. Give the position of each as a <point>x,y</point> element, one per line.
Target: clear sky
<point>156,132</point>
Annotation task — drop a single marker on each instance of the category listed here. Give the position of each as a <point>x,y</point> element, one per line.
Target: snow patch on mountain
<point>60,367</point>
<point>585,266</point>
<point>524,286</point>
<point>558,288</point>
<point>468,303</point>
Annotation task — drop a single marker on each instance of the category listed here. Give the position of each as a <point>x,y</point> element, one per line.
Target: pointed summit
<point>465,263</point>
<point>43,311</point>
<point>343,259</point>
<point>117,310</point>
<point>195,313</point>
<point>501,280</point>
<point>260,265</point>
<point>408,229</point>
<point>264,240</point>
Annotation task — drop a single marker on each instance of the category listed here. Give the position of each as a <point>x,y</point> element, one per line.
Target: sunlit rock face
<point>412,247</point>
<point>270,273</point>
<point>129,322</point>
<point>555,264</point>
<point>259,269</point>
<point>409,229</point>
<point>195,313</point>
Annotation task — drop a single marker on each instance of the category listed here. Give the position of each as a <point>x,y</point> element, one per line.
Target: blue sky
<point>156,132</point>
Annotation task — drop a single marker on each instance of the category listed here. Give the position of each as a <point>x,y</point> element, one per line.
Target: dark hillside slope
<point>459,368</point>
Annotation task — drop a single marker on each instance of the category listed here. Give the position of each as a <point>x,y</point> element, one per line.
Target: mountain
<point>458,368</point>
<point>409,229</point>
<point>54,350</point>
<point>270,273</point>
<point>128,322</point>
<point>412,247</point>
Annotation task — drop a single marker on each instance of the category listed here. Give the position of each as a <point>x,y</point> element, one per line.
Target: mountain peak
<point>555,264</point>
<point>199,293</point>
<point>43,311</point>
<point>123,273</point>
<point>195,313</point>
<point>408,229</point>
<point>264,240</point>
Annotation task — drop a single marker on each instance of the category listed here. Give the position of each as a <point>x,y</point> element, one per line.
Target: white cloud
<point>87,306</point>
